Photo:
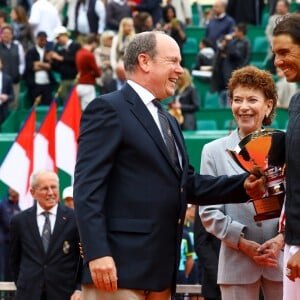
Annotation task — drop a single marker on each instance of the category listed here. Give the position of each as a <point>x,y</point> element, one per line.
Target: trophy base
<point>268,208</point>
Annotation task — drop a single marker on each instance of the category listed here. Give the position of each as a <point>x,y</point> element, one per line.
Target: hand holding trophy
<point>262,153</point>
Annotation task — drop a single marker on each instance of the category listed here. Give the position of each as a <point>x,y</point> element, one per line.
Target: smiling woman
<point>253,98</point>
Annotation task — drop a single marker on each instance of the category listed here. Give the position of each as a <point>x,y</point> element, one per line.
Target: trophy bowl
<point>264,150</point>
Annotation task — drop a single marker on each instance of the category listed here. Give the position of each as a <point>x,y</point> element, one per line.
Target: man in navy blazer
<point>45,273</point>
<point>130,202</point>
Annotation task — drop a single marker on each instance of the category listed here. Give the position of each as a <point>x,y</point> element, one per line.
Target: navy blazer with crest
<point>35,271</point>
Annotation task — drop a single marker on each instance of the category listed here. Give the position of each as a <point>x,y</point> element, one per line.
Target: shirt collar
<point>143,93</point>
<point>221,16</point>
<point>40,210</point>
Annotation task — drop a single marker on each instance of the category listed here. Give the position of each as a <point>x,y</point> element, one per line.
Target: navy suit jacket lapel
<point>143,115</point>
<point>33,227</point>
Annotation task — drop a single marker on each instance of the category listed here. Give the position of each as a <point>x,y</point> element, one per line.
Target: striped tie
<point>168,136</point>
<point>46,233</point>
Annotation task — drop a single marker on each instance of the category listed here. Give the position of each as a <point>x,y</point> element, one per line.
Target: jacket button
<point>179,221</point>
<point>181,190</point>
<point>258,224</point>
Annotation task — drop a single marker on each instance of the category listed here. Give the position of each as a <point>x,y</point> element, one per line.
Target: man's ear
<point>144,62</point>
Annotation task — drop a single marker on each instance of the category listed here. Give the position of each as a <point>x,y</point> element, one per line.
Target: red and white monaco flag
<point>17,165</point>
<point>67,132</point>
<point>44,142</point>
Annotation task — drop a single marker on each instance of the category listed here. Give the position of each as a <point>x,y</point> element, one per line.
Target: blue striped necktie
<point>46,233</point>
<point>168,136</point>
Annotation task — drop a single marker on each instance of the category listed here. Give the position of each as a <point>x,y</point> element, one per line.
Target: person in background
<point>3,21</point>
<point>67,196</point>
<point>153,7</point>
<point>246,11</point>
<point>189,222</point>
<point>59,6</point>
<point>63,60</point>
<point>102,53</point>
<point>44,245</point>
<point>186,101</point>
<point>90,16</point>
<point>186,263</point>
<point>207,248</point>
<point>207,15</point>
<point>13,61</point>
<point>116,10</point>
<point>6,94</point>
<point>234,51</point>
<point>22,29</point>
<point>242,269</point>
<point>205,56</point>
<point>173,27</point>
<point>286,47</point>
<point>38,76</point>
<point>131,230</point>
<point>9,206</point>
<point>88,70</point>
<point>44,17</point>
<point>220,24</point>
<point>120,42</point>
<point>69,20</point>
<point>183,11</point>
<point>143,22</point>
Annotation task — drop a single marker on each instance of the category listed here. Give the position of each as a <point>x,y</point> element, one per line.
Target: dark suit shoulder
<point>65,210</point>
<point>22,215</point>
<point>116,100</point>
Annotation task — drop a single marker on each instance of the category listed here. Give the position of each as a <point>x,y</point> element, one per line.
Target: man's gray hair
<point>144,42</point>
<point>34,176</point>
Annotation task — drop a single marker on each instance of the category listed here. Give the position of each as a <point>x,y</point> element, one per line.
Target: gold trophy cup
<point>265,150</point>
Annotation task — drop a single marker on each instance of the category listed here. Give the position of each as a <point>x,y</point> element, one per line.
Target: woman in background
<point>173,27</point>
<point>186,102</point>
<point>119,44</point>
<point>102,53</point>
<point>22,29</point>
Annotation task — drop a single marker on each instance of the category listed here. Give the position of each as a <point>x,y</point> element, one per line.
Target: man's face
<point>41,41</point>
<point>287,56</point>
<point>46,190</point>
<point>62,39</point>
<point>218,8</point>
<point>281,8</point>
<point>7,36</point>
<point>165,68</point>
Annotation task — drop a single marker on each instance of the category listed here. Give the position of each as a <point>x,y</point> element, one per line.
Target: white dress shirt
<point>41,218</point>
<point>147,97</point>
